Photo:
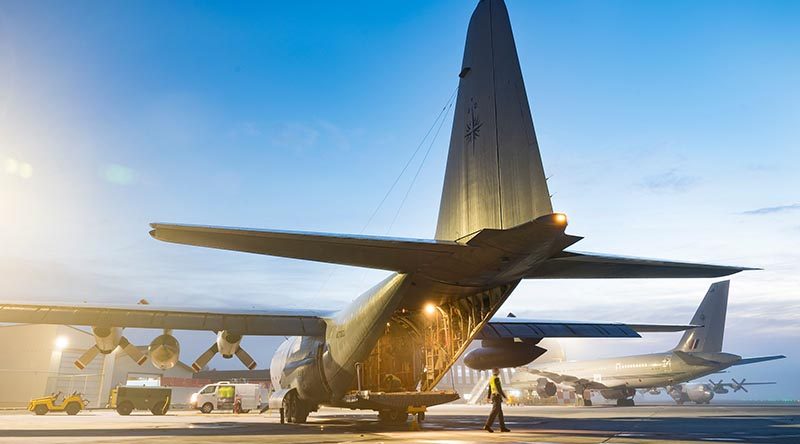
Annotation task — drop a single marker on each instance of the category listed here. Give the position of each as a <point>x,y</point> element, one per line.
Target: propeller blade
<point>133,351</point>
<point>201,361</point>
<point>87,357</point>
<point>246,359</point>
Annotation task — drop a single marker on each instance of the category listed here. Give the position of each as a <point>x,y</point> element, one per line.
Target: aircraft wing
<point>582,265</point>
<point>385,253</point>
<point>245,322</point>
<point>501,328</point>
<point>565,379</point>
<point>746,361</point>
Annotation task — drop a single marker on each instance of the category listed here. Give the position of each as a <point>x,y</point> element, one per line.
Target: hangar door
<point>69,379</point>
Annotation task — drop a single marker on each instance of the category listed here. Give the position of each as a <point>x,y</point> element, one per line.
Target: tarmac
<point>444,424</point>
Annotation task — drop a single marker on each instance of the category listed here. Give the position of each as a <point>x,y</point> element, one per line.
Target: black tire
<point>620,402</point>
<point>207,408</point>
<point>420,416</point>
<point>287,405</point>
<point>159,409</point>
<point>246,411</point>
<point>125,408</point>
<point>294,409</point>
<point>40,409</point>
<point>587,402</point>
<point>72,408</point>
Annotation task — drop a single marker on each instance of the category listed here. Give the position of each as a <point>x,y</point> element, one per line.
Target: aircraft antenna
<point>424,158</point>
<point>413,155</point>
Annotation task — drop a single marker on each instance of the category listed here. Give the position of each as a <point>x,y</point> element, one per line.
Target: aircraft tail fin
<point>494,176</point>
<point>711,316</point>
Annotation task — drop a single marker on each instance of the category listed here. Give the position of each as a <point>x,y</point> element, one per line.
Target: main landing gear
<point>294,410</point>
<point>625,402</point>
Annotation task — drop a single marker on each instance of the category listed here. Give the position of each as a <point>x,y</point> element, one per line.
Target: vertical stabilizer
<point>494,176</point>
<point>711,315</point>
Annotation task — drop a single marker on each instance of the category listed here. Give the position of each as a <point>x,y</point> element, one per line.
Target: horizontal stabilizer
<point>244,322</point>
<point>581,265</point>
<point>384,253</point>
<point>499,328</point>
<point>661,328</point>
<point>513,327</point>
<point>745,361</point>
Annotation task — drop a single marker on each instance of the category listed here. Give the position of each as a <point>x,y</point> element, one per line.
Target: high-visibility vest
<point>493,385</point>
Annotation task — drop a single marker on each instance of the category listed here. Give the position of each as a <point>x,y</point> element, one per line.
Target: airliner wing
<point>385,253</point>
<point>746,361</point>
<point>570,380</point>
<point>501,328</point>
<point>582,265</point>
<point>245,322</point>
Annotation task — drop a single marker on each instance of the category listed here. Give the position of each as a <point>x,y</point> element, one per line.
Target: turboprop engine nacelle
<point>106,340</point>
<point>545,388</point>
<point>164,351</point>
<point>502,354</point>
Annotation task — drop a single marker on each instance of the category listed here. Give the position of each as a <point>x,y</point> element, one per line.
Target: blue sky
<point>669,130</point>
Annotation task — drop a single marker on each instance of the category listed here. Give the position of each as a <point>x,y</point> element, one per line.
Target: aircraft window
<point>209,389</point>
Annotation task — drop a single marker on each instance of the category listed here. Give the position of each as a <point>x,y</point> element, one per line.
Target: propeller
<point>228,345</point>
<point>105,337</point>
<point>203,359</point>
<point>87,357</point>
<point>246,359</point>
<point>718,387</point>
<point>738,385</point>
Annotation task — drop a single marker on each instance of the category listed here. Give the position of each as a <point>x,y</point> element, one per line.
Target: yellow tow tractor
<point>71,404</point>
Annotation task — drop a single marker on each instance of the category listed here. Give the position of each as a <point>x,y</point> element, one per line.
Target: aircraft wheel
<point>587,402</point>
<point>420,416</point>
<point>294,410</point>
<point>125,408</point>
<point>620,402</point>
<point>40,409</point>
<point>72,408</point>
<point>207,408</point>
<point>246,411</point>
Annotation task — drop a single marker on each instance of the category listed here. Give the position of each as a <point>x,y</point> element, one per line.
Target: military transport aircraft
<point>389,348</point>
<point>703,393</point>
<point>699,353</point>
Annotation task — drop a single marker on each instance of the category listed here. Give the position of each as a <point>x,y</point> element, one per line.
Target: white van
<point>221,396</point>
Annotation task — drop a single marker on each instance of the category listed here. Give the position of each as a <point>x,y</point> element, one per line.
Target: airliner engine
<point>107,339</point>
<point>164,351</point>
<point>227,344</point>
<point>545,388</point>
<point>502,354</point>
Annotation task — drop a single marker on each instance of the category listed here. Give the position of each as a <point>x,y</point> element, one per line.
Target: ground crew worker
<point>496,395</point>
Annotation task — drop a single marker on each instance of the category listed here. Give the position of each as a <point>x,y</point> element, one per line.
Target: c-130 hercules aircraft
<point>387,349</point>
